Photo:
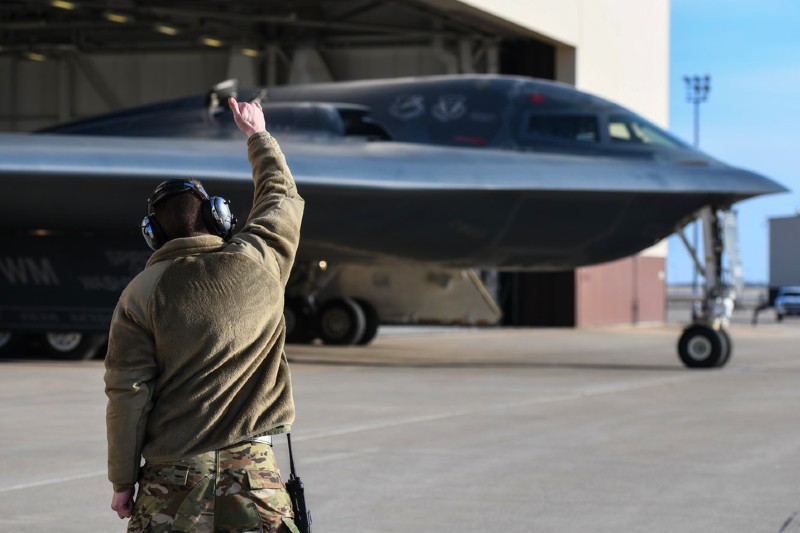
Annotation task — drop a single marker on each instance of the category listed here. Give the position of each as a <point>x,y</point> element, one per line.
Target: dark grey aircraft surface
<point>467,171</point>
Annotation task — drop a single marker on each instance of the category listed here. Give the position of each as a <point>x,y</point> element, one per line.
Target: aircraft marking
<point>408,106</point>
<point>28,271</point>
<point>104,282</point>
<point>133,260</point>
<point>449,108</point>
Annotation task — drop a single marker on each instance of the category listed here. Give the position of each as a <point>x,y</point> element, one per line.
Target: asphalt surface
<point>458,430</point>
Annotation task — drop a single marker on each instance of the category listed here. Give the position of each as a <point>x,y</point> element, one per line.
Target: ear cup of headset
<point>152,233</point>
<point>218,216</point>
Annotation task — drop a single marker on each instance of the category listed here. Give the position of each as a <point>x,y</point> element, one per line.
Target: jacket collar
<point>186,246</point>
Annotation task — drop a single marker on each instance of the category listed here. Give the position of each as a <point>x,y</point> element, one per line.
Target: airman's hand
<point>248,116</point>
<point>122,503</point>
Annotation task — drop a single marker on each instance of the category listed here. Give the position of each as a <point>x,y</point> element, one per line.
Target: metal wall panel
<point>34,94</point>
<point>388,62</point>
<point>29,97</point>
<point>627,291</point>
<point>784,251</point>
<point>651,295</point>
<point>142,79</point>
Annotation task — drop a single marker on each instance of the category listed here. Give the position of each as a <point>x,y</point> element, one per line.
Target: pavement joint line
<point>42,482</point>
<point>597,391</point>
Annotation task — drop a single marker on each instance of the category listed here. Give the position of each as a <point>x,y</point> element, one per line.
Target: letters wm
<point>28,271</point>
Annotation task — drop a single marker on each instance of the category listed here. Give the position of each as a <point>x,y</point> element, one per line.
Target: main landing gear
<point>705,343</point>
<point>335,319</point>
<point>340,322</point>
<point>72,345</point>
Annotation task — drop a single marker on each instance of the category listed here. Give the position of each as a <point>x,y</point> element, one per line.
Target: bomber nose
<point>758,183</point>
<point>726,184</point>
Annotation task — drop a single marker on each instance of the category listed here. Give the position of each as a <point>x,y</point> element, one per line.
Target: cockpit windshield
<point>635,130</point>
<point>561,127</point>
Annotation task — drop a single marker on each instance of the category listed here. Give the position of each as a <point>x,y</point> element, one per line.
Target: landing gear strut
<point>705,343</point>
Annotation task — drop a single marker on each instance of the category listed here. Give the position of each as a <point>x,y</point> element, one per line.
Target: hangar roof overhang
<point>158,26</point>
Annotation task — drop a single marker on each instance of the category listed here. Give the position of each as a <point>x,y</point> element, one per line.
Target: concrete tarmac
<point>513,430</point>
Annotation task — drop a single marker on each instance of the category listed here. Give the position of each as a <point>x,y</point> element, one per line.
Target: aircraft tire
<point>779,317</point>
<point>701,347</point>
<point>11,344</point>
<point>71,346</point>
<point>341,322</point>
<point>728,342</point>
<point>372,322</point>
<point>299,323</point>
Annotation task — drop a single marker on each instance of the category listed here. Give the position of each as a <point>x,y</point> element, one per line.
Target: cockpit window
<point>635,130</point>
<point>574,128</point>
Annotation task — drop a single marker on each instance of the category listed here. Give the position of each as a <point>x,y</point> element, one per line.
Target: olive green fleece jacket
<point>195,356</point>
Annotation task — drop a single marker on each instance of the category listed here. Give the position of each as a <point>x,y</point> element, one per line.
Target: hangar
<point>64,60</point>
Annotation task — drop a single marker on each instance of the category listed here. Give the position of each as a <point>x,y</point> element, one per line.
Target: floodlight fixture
<point>35,56</point>
<point>212,42</point>
<point>63,4</point>
<point>166,29</point>
<point>697,89</point>
<point>119,18</point>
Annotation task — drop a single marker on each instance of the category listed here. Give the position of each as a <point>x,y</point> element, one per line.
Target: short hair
<point>180,215</point>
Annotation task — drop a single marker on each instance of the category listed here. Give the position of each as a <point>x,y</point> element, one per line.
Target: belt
<point>265,439</point>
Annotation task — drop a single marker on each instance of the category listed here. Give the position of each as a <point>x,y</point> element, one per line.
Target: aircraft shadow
<point>481,365</point>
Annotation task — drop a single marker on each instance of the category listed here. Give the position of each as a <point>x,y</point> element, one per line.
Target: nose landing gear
<point>705,343</point>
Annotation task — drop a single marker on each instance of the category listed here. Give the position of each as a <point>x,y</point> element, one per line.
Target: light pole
<point>697,89</point>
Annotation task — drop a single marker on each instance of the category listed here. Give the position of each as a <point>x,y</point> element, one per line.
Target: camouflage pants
<point>236,489</point>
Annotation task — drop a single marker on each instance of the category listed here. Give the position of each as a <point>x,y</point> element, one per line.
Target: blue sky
<point>752,116</point>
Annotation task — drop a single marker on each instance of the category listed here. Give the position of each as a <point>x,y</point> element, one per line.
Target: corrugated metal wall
<point>784,251</point>
<point>388,62</point>
<point>36,95</point>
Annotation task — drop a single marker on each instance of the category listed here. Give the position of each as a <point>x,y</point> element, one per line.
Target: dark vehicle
<point>787,302</point>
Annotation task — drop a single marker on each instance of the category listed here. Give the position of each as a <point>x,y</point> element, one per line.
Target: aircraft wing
<point>371,202</point>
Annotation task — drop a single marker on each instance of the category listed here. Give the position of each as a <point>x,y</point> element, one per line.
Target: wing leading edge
<point>382,202</point>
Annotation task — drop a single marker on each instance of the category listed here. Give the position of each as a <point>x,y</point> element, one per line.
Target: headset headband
<point>173,187</point>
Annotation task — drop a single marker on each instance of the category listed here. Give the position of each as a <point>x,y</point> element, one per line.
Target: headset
<point>216,210</point>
